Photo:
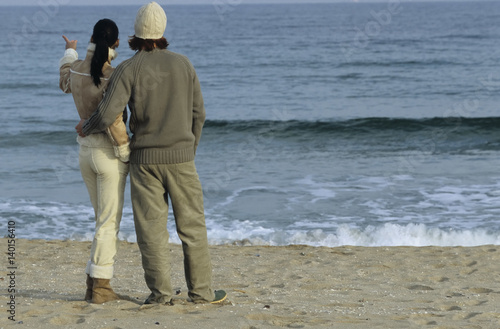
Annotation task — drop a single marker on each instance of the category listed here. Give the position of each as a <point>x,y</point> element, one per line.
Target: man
<point>167,115</point>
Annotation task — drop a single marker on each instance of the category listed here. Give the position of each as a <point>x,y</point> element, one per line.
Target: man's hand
<point>79,128</point>
<point>70,43</point>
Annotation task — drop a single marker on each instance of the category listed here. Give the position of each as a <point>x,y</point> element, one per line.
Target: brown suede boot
<point>102,292</point>
<point>90,285</point>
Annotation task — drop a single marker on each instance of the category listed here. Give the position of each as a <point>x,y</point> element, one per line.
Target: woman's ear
<point>116,45</point>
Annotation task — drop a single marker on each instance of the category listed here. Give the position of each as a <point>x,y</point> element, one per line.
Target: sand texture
<point>268,287</point>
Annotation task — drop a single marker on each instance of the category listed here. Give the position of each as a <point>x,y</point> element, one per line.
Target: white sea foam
<point>53,220</point>
<point>42,220</point>
<point>384,235</point>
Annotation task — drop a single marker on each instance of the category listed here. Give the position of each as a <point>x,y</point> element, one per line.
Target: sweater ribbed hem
<point>161,156</point>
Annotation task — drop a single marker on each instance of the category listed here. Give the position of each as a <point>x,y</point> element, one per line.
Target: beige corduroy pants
<point>151,185</point>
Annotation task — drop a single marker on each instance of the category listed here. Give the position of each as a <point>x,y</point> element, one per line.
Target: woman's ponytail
<point>105,35</point>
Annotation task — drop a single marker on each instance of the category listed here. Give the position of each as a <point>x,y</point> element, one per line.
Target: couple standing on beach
<point>163,93</point>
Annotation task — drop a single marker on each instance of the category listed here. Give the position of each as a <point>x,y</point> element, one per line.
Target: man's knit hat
<point>150,22</point>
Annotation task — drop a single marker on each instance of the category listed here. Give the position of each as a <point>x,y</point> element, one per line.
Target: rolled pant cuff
<point>100,272</point>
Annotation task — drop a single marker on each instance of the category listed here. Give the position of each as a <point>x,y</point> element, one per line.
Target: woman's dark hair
<point>136,43</point>
<point>104,36</point>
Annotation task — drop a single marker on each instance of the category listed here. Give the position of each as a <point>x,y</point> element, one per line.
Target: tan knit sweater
<point>167,112</point>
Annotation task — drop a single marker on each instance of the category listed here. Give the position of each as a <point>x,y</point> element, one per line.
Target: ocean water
<point>327,124</point>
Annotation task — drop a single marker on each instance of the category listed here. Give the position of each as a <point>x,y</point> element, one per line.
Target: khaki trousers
<point>105,177</point>
<point>151,185</point>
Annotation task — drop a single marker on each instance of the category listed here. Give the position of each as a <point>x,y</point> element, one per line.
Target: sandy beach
<point>268,287</point>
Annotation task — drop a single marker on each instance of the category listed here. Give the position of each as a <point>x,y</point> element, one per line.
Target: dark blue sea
<point>327,124</point>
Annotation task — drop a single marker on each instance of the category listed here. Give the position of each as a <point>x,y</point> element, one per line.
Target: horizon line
<point>276,2</point>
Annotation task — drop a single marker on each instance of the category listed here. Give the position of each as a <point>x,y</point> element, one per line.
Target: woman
<point>103,157</point>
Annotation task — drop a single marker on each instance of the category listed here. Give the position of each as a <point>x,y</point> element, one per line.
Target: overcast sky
<point>167,2</point>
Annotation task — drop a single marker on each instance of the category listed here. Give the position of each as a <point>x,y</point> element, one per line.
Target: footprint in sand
<point>480,290</point>
<point>472,302</point>
<point>423,319</point>
<point>419,287</point>
<point>66,320</point>
<point>34,313</point>
<point>276,320</point>
<point>465,316</point>
<point>449,308</point>
<point>469,270</point>
<point>440,279</point>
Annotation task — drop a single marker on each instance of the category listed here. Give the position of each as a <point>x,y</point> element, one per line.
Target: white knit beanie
<point>150,22</point>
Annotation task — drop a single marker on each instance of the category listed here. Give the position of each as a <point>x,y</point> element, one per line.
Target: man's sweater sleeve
<point>198,111</point>
<point>114,101</point>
